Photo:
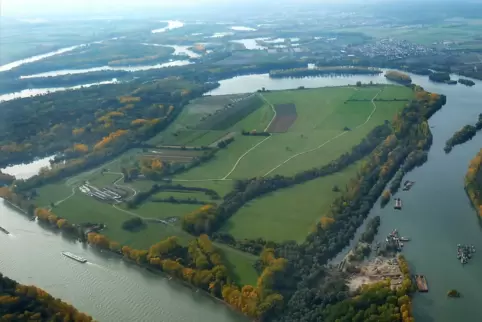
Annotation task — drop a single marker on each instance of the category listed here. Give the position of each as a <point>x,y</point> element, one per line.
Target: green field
<point>184,130</point>
<point>288,214</point>
<point>329,123</point>
<point>317,134</point>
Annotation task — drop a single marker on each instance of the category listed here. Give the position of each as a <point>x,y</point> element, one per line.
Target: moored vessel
<point>421,283</point>
<point>398,204</point>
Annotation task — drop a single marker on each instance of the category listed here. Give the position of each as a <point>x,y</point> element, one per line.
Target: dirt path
<point>274,111</point>
<point>241,157</point>
<point>330,140</point>
<point>67,198</point>
<point>123,186</point>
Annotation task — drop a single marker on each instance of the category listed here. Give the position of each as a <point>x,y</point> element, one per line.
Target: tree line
<point>144,195</point>
<point>473,182</point>
<point>28,303</point>
<point>317,71</point>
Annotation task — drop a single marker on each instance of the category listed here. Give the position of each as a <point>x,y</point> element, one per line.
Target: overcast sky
<point>43,7</point>
<point>55,7</point>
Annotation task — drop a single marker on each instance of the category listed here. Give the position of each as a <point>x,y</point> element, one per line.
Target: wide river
<point>436,215</point>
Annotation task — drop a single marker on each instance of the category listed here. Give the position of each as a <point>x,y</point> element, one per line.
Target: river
<point>437,216</point>
<point>64,72</point>
<point>43,91</point>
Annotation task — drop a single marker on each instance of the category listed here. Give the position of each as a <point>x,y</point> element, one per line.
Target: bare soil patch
<point>285,117</point>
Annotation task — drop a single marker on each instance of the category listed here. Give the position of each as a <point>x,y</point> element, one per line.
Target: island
<point>453,293</point>
<point>398,77</point>
<point>461,136</point>
<point>440,77</point>
<point>141,173</point>
<point>466,82</point>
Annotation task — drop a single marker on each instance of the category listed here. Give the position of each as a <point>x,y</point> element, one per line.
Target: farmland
<point>285,117</point>
<point>209,118</point>
<point>308,128</point>
<point>323,116</point>
<point>288,214</point>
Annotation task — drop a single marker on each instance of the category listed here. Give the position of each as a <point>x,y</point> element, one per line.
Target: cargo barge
<point>421,283</point>
<point>398,204</point>
<point>74,257</point>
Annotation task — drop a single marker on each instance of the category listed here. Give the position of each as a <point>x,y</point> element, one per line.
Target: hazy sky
<point>55,7</point>
<point>43,7</point>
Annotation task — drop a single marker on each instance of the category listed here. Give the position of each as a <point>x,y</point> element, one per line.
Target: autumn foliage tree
<point>28,303</point>
<point>473,182</point>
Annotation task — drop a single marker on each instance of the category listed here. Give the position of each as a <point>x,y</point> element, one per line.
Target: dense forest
<point>463,135</point>
<point>473,182</point>
<point>28,303</point>
<point>398,77</point>
<point>90,120</point>
<point>439,77</point>
<point>466,82</point>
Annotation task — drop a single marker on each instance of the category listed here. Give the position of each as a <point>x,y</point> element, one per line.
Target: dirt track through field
<point>328,141</point>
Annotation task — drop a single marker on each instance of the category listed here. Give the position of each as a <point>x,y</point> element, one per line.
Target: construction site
<point>374,271</point>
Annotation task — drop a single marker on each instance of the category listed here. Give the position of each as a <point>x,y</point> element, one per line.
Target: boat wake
<point>99,266</point>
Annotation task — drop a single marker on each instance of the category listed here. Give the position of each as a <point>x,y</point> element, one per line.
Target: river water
<point>436,214</point>
<point>44,91</point>
<point>64,72</point>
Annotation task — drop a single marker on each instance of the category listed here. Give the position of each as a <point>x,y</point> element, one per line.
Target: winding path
<point>67,198</point>
<point>244,154</point>
<point>330,140</point>
<point>122,186</point>
<point>274,111</point>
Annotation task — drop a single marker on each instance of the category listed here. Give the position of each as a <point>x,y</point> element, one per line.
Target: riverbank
<point>101,285</point>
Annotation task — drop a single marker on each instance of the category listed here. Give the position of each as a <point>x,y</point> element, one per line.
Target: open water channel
<point>437,216</point>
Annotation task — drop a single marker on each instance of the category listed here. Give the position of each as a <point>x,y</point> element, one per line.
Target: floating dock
<point>421,283</point>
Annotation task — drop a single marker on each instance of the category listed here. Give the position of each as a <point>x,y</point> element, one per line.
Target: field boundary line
<point>241,157</point>
<point>330,140</point>
<point>274,110</point>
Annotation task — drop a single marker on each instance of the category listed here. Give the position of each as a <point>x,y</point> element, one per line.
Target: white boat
<point>74,257</point>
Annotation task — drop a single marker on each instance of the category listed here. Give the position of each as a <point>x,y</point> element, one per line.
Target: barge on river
<point>398,204</point>
<point>421,283</point>
<point>74,257</point>
<point>3,230</point>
